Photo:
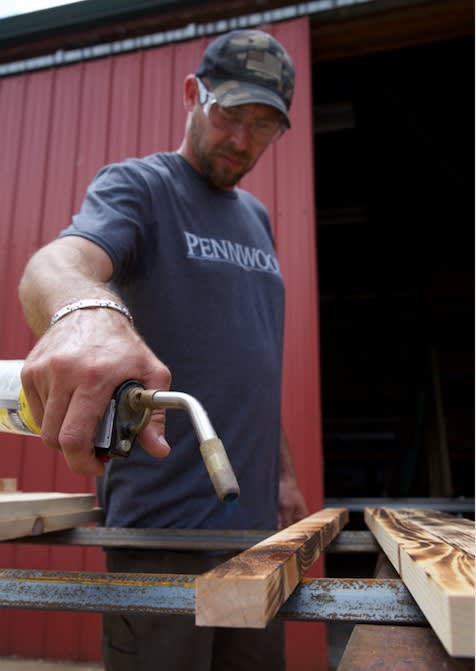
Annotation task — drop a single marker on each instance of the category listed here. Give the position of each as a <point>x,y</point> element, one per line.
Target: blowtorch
<point>127,414</point>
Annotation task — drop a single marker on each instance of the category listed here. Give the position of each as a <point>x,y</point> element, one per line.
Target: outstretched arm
<point>72,372</point>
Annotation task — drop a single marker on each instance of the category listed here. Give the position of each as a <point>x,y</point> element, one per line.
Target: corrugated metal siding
<point>58,128</point>
<point>284,181</point>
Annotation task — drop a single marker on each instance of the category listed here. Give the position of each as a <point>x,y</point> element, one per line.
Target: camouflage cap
<point>249,66</point>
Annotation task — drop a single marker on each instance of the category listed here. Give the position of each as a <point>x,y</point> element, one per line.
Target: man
<point>170,269</point>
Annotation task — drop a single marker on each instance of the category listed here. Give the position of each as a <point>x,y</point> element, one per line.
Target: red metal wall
<point>57,128</point>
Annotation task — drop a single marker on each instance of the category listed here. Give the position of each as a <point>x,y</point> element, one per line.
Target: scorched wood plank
<point>249,589</point>
<point>439,573</point>
<point>455,531</point>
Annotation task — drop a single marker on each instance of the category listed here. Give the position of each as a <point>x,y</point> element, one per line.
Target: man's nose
<point>242,134</point>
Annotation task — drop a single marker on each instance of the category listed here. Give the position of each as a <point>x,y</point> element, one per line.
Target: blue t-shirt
<point>197,268</point>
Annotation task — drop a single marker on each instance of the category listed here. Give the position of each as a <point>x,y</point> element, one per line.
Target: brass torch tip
<point>230,497</point>
<point>220,470</point>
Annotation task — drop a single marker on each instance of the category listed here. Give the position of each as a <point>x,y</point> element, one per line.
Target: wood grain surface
<point>249,589</point>
<point>8,484</point>
<point>34,525</point>
<point>436,563</point>
<point>18,505</point>
<point>455,531</point>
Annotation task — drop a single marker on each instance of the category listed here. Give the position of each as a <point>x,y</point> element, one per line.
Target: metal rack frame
<point>383,601</point>
<point>377,606</point>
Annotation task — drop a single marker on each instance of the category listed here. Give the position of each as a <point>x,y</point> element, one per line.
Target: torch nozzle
<point>211,448</point>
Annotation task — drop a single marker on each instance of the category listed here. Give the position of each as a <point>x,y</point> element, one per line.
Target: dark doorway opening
<point>394,157</point>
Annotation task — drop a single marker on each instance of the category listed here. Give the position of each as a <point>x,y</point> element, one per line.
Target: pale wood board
<point>19,505</point>
<point>38,524</point>
<point>249,589</point>
<point>439,575</point>
<point>8,484</point>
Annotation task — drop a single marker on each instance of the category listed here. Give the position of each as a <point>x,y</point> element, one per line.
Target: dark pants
<point>172,642</point>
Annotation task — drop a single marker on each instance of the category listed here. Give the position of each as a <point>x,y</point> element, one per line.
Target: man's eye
<point>265,124</point>
<point>230,113</point>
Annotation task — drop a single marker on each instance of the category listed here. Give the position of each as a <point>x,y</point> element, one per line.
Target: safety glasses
<point>262,130</point>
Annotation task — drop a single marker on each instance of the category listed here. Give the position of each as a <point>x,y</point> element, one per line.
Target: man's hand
<point>292,506</point>
<point>71,374</point>
<point>70,377</point>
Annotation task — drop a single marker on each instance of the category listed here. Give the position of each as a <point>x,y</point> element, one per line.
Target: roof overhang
<point>340,28</point>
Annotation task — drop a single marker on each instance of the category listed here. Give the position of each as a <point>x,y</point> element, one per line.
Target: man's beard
<point>221,176</point>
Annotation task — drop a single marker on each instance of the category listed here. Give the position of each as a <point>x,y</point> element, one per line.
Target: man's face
<point>226,142</point>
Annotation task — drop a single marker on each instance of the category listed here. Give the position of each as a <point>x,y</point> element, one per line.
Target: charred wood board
<point>434,556</point>
<point>249,589</point>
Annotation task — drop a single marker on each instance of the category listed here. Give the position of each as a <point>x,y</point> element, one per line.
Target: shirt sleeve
<point>114,213</point>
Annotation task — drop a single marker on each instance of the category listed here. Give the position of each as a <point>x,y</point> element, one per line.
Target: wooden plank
<point>439,575</point>
<point>24,504</point>
<point>456,531</point>
<point>8,484</point>
<point>249,589</point>
<point>34,525</point>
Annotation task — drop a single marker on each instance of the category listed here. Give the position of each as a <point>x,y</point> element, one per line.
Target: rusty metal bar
<point>353,600</point>
<point>152,539</point>
<point>187,539</point>
<point>398,648</point>
<point>323,600</point>
<point>456,505</point>
<point>350,542</point>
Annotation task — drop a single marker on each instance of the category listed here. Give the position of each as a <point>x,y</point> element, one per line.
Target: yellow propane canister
<point>15,414</point>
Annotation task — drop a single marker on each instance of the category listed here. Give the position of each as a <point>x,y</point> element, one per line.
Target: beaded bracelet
<point>90,303</point>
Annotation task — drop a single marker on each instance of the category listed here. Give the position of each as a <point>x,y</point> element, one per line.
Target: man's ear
<point>190,93</point>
